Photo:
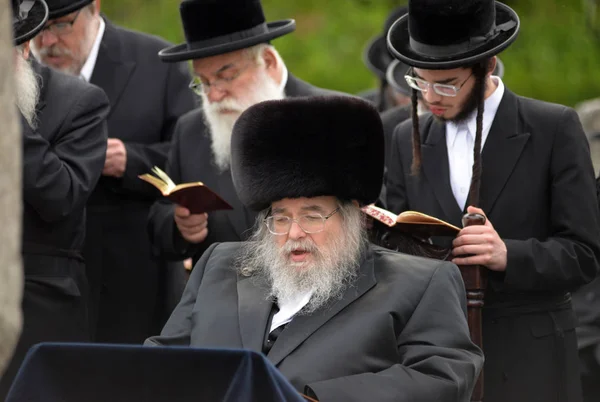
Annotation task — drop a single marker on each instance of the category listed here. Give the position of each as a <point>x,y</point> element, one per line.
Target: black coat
<point>191,160</point>
<point>538,191</point>
<point>147,97</point>
<point>62,162</point>
<point>390,119</point>
<point>377,342</point>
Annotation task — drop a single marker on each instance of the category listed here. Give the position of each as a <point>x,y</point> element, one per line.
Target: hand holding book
<point>195,196</point>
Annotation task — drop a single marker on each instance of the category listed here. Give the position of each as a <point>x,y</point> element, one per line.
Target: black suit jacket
<point>390,119</point>
<point>147,97</point>
<point>191,160</point>
<point>62,162</point>
<point>538,190</point>
<point>399,333</point>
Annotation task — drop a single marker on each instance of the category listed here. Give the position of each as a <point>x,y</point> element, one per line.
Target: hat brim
<point>38,15</point>
<point>398,42</point>
<point>60,12</point>
<point>183,51</point>
<point>375,56</point>
<point>395,77</point>
<point>397,70</point>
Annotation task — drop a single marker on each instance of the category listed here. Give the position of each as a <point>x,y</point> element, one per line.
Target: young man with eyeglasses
<point>342,319</point>
<point>235,67</point>
<point>524,164</point>
<point>146,97</point>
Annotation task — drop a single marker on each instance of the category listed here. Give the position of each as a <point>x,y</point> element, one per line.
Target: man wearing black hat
<point>377,58</point>
<point>64,145</point>
<point>525,165</point>
<point>147,97</point>
<point>343,320</point>
<point>396,115</point>
<point>235,67</point>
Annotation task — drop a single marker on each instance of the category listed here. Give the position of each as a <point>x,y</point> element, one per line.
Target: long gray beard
<point>27,90</point>
<point>221,125</point>
<point>334,267</point>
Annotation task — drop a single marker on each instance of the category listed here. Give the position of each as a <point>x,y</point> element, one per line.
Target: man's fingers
<point>475,249</point>
<point>196,237</point>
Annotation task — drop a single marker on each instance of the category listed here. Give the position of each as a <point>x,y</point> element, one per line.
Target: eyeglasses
<point>201,86</point>
<point>61,28</point>
<point>440,89</point>
<point>313,223</point>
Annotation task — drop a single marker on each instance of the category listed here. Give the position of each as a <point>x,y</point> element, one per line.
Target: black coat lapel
<point>434,160</point>
<point>501,151</point>
<point>113,69</point>
<point>253,311</point>
<point>301,327</point>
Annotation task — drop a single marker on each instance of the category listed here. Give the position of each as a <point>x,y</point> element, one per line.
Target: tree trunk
<point>11,271</point>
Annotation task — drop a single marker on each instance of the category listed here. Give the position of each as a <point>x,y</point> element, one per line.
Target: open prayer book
<point>412,222</point>
<point>194,196</point>
<point>410,232</point>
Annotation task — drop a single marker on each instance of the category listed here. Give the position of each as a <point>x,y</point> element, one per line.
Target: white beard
<point>27,90</point>
<point>221,125</point>
<point>334,266</point>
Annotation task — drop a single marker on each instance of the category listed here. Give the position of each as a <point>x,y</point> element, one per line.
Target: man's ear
<point>26,50</point>
<point>271,62</point>
<point>97,3</point>
<point>491,66</point>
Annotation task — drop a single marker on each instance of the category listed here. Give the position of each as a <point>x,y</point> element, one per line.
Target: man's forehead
<point>438,75</point>
<point>318,204</point>
<point>218,63</point>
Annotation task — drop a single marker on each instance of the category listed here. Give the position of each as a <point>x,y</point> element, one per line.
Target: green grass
<point>555,58</point>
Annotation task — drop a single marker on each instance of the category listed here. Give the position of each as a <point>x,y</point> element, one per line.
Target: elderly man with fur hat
<point>342,319</point>
<point>64,144</point>
<point>235,67</point>
<point>523,163</point>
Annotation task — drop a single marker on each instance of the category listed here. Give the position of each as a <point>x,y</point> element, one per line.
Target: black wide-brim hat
<point>60,8</point>
<point>307,147</point>
<point>214,27</point>
<point>446,34</point>
<point>397,70</point>
<point>376,56</point>
<point>29,18</point>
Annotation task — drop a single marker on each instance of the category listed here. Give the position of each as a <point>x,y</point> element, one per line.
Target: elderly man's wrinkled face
<point>66,42</point>
<point>307,245</point>
<point>27,88</point>
<point>229,84</point>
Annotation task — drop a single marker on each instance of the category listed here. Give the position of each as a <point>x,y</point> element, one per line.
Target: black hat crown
<point>60,8</point>
<point>214,27</point>
<point>29,17</point>
<point>438,34</point>
<point>307,147</point>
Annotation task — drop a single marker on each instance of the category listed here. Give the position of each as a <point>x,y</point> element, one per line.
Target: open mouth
<point>299,255</point>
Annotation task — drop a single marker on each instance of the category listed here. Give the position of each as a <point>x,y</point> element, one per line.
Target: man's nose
<point>430,96</point>
<point>215,94</point>
<point>296,231</point>
<point>48,38</point>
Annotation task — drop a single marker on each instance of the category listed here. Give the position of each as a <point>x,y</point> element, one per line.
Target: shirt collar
<point>491,105</point>
<point>90,63</point>
<point>284,79</point>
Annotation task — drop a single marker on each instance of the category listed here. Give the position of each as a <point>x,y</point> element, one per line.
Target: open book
<point>194,196</point>
<point>412,222</point>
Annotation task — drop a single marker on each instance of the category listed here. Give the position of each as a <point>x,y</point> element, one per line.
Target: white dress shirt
<point>90,63</point>
<point>289,308</point>
<point>460,140</point>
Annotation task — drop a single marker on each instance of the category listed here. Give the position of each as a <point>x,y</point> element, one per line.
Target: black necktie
<point>273,335</point>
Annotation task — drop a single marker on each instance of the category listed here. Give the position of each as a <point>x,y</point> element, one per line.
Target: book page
<point>382,215</point>
<point>423,219</point>
<point>164,177</point>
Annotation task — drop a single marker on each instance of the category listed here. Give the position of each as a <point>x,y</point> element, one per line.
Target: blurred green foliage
<point>556,57</point>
